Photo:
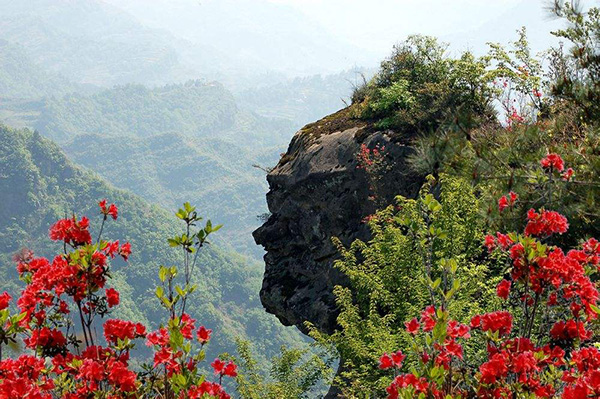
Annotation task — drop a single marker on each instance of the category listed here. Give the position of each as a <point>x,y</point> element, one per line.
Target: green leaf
<point>162,273</point>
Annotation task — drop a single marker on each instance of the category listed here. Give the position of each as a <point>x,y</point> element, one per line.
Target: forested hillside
<point>168,169</point>
<point>171,144</point>
<point>21,77</point>
<point>39,185</point>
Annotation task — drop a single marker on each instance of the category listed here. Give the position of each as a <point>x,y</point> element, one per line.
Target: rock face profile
<point>316,193</point>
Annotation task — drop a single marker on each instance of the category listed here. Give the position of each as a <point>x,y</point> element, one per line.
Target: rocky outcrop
<point>317,192</point>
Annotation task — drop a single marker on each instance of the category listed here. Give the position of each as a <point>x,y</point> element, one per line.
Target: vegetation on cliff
<point>511,315</point>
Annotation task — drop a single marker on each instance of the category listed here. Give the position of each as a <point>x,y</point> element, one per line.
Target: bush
<point>388,283</point>
<point>418,88</point>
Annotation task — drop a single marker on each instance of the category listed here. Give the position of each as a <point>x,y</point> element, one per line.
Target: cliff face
<point>317,192</point>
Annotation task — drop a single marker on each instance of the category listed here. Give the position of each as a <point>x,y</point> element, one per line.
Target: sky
<point>378,24</point>
<point>353,32</point>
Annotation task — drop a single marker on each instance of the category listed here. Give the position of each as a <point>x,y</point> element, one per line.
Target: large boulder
<point>316,193</point>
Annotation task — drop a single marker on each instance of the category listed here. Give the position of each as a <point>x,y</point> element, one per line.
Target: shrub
<point>413,244</point>
<point>295,374</point>
<point>63,303</point>
<point>538,341</point>
<point>418,88</point>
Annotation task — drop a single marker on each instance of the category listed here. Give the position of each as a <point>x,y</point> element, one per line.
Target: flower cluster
<point>538,345</point>
<point>58,308</point>
<point>369,158</point>
<point>505,202</point>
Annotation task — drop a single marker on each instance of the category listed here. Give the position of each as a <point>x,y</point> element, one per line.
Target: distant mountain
<point>97,43</point>
<point>89,41</point>
<point>21,77</point>
<point>185,142</point>
<point>304,99</point>
<point>38,184</point>
<point>169,169</point>
<point>195,109</point>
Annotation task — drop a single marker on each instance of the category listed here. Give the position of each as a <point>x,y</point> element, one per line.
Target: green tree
<point>294,374</point>
<point>439,233</point>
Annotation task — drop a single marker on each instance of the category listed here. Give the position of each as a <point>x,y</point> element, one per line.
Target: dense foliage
<point>419,87</point>
<point>388,283</point>
<point>538,342</point>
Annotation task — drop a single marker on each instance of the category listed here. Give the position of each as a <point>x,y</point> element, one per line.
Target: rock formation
<point>317,192</point>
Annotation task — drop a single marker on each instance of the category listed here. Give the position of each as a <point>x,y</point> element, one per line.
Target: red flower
<point>230,370</point>
<point>497,321</point>
<point>386,362</point>
<point>553,161</point>
<point>160,337</point>
<point>112,297</point>
<point>218,365</point>
<point>121,377</point>
<point>503,289</point>
<point>203,335</point>
<point>71,231</point>
<point>427,320</point>
<point>505,201</point>
<point>110,210</point>
<point>394,360</point>
<point>504,240</point>
<point>412,326</point>
<point>545,223</point>
<point>494,368</point>
<point>398,358</point>
<point>567,175</point>
<point>125,250</point>
<point>187,326</point>
<point>455,349</point>
<point>502,203</point>
<point>116,329</point>
<point>490,242</point>
<point>4,300</point>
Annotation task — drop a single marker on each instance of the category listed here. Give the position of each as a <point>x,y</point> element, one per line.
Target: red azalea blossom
<point>203,334</point>
<point>553,161</point>
<point>230,370</point>
<point>567,175</point>
<point>112,297</point>
<point>116,329</point>
<point>125,251</point>
<point>412,326</point>
<point>111,210</point>
<point>4,300</point>
<point>503,289</point>
<point>505,202</point>
<point>71,231</point>
<point>545,223</point>
<point>497,321</point>
<point>394,360</point>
